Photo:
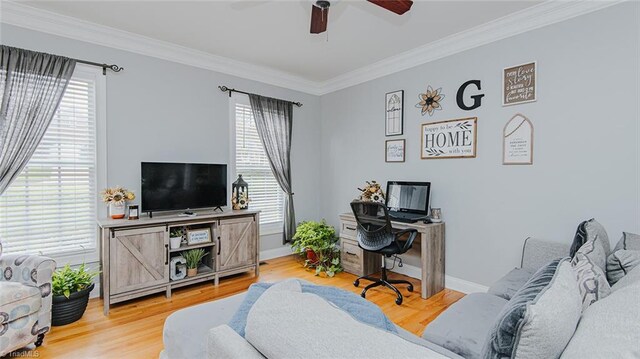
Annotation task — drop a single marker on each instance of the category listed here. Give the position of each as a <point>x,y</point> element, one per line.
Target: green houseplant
<point>193,258</point>
<point>316,242</point>
<point>71,288</point>
<point>175,237</point>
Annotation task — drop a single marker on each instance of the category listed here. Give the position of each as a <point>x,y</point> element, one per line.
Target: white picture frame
<point>514,84</point>
<point>517,141</point>
<point>449,139</point>
<point>394,113</point>
<point>394,150</point>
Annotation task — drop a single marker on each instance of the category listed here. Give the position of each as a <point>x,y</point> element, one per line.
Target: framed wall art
<point>517,141</point>
<point>449,139</point>
<point>519,84</point>
<point>394,151</point>
<point>394,113</point>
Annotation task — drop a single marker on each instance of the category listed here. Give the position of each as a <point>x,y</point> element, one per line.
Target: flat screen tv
<point>183,186</point>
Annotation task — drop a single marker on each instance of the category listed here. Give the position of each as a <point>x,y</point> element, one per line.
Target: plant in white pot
<point>175,237</point>
<point>71,288</point>
<point>193,258</point>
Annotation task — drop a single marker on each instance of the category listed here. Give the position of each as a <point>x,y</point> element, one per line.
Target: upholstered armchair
<point>25,300</point>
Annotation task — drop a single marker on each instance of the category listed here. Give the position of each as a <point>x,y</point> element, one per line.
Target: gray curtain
<point>31,87</point>
<point>274,121</point>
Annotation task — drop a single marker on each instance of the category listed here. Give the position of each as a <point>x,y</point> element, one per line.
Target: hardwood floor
<point>134,329</point>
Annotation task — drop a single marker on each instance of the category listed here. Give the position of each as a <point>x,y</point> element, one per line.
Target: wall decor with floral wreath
<point>430,101</point>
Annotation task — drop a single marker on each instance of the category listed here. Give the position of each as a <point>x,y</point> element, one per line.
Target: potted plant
<point>71,288</point>
<point>193,258</point>
<point>116,198</point>
<point>316,242</point>
<point>175,237</point>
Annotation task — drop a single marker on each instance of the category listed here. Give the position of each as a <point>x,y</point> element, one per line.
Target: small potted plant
<point>175,237</point>
<point>71,288</point>
<point>193,258</point>
<point>116,198</point>
<point>316,243</point>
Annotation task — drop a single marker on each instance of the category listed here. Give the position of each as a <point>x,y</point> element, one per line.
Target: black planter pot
<point>68,310</point>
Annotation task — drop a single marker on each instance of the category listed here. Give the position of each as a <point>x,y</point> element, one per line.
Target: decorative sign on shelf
<point>394,151</point>
<point>517,141</point>
<point>394,102</point>
<point>519,84</point>
<point>430,101</point>
<point>198,236</point>
<point>449,139</point>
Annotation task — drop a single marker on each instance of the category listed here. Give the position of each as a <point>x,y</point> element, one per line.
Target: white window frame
<point>236,98</point>
<point>95,74</point>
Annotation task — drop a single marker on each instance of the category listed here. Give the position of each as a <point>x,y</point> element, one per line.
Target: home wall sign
<point>477,99</point>
<point>519,84</point>
<point>449,139</point>
<point>394,151</point>
<point>394,103</point>
<point>430,101</point>
<point>517,141</point>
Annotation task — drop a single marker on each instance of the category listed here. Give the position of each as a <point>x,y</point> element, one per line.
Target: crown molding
<point>52,23</point>
<point>531,18</point>
<point>547,13</point>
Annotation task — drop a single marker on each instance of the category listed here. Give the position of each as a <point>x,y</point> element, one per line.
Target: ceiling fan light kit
<point>320,11</point>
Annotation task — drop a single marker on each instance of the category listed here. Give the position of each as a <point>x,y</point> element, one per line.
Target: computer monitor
<point>409,197</point>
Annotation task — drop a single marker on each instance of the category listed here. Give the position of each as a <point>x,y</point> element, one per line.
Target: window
<point>251,161</point>
<point>51,207</point>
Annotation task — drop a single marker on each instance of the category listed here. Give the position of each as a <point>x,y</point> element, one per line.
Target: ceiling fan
<point>320,11</point>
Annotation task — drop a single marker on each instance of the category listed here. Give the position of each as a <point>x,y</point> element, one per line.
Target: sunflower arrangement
<point>372,192</point>
<point>117,195</point>
<point>240,203</point>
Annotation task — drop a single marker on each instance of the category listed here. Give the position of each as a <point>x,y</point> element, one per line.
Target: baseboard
<point>450,282</point>
<point>275,253</point>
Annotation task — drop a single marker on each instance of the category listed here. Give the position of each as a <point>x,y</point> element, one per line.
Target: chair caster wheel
<point>363,294</point>
<point>410,288</point>
<point>356,283</point>
<point>399,300</point>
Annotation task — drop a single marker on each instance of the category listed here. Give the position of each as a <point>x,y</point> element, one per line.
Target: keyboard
<point>403,219</point>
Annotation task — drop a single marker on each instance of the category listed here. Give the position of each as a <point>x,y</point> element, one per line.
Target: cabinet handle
<point>350,228</point>
<point>351,254</point>
<point>219,245</point>
<point>166,254</point>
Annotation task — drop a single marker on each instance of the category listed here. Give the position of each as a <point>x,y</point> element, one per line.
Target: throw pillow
<point>587,231</point>
<point>540,319</point>
<point>628,241</point>
<point>592,281</point>
<point>595,252</point>
<point>620,263</point>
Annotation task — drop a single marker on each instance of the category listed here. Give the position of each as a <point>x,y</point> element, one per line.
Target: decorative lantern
<point>240,194</point>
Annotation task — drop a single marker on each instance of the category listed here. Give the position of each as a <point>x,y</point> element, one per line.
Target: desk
<point>430,238</point>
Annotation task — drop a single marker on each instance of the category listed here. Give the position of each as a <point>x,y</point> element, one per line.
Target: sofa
<point>25,300</point>
<point>467,329</point>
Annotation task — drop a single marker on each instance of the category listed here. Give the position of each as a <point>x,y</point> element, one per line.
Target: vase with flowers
<point>371,192</point>
<point>116,198</point>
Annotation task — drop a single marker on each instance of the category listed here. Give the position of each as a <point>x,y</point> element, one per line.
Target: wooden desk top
<point>419,225</point>
<point>172,218</point>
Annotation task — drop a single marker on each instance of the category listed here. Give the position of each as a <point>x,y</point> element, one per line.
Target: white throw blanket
<point>286,323</point>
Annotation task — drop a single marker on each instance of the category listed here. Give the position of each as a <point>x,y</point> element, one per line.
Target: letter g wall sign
<point>449,139</point>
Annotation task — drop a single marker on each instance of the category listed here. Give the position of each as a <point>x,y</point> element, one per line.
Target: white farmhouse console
<point>136,254</point>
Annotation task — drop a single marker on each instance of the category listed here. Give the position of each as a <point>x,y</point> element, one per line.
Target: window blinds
<point>252,162</point>
<point>51,207</point>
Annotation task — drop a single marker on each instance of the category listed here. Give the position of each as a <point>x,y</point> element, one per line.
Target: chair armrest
<point>538,252</point>
<point>31,270</point>
<point>413,233</point>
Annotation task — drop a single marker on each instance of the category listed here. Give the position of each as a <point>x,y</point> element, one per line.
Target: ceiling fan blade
<point>319,18</point>
<point>397,6</point>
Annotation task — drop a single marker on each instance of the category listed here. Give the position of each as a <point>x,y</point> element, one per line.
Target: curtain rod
<point>114,68</point>
<point>226,89</point>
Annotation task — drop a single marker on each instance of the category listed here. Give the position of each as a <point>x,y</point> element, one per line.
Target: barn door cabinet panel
<point>136,255</point>
<point>138,259</point>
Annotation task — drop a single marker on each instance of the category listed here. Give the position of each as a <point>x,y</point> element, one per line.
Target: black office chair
<point>375,234</point>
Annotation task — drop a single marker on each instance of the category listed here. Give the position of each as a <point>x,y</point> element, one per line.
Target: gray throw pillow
<point>592,281</point>
<point>621,262</point>
<point>595,252</point>
<point>540,319</point>
<point>587,231</point>
<point>628,241</point>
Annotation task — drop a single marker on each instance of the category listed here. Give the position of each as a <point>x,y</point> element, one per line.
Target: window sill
<point>271,228</point>
<point>75,258</point>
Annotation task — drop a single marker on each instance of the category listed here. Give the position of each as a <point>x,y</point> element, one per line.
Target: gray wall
<point>163,111</point>
<point>586,141</point>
